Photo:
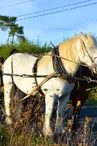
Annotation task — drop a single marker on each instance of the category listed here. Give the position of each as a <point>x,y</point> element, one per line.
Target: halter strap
<point>1,78</point>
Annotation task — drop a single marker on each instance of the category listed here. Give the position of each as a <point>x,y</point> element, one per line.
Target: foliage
<point>27,130</point>
<point>24,46</point>
<point>6,21</point>
<point>3,135</point>
<point>93,94</point>
<point>9,23</point>
<point>82,137</point>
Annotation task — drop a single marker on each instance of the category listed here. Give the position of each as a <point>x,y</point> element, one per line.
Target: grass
<point>92,102</point>
<point>3,135</point>
<point>27,132</point>
<point>10,136</point>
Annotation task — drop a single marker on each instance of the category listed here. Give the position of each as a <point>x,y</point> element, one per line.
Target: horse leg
<point>76,115</point>
<point>49,106</point>
<point>60,113</point>
<point>18,106</point>
<point>7,102</point>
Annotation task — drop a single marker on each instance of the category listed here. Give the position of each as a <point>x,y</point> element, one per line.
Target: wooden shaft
<point>39,85</point>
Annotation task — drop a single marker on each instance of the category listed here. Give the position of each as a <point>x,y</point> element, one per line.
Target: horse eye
<point>45,89</point>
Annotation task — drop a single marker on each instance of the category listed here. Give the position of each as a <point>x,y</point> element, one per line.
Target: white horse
<point>80,49</point>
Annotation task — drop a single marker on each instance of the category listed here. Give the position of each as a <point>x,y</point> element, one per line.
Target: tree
<point>15,30</point>
<point>9,23</point>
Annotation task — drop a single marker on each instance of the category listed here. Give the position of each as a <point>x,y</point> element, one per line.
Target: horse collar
<point>58,65</point>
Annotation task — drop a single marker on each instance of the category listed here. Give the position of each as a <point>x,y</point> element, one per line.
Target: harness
<point>58,65</point>
<point>1,78</point>
<point>34,70</point>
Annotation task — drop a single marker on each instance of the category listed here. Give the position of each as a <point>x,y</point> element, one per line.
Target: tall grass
<point>82,137</point>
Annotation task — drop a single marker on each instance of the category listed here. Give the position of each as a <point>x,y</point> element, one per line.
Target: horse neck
<point>68,52</point>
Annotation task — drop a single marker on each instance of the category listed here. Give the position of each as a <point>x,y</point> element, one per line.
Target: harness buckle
<point>88,79</point>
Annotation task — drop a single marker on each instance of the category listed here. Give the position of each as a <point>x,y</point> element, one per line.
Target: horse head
<point>87,51</point>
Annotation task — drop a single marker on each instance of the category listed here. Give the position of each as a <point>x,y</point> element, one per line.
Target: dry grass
<point>12,137</point>
<point>28,124</point>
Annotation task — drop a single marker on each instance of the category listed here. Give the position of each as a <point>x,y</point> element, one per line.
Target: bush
<point>24,47</point>
<point>93,94</point>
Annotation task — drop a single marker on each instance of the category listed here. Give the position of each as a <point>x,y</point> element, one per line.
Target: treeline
<point>25,46</point>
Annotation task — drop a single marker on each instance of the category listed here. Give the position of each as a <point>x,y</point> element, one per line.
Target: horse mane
<point>69,45</point>
<point>68,49</point>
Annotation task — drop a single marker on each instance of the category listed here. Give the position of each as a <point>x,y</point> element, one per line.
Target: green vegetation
<point>22,44</point>
<point>9,23</point>
<point>3,135</point>
<point>92,100</point>
<point>24,47</point>
<point>93,94</point>
<point>84,136</point>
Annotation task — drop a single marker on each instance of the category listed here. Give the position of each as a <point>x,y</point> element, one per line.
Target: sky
<point>55,27</point>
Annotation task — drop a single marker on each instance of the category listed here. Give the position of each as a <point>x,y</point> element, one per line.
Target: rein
<point>38,87</point>
<point>41,55</point>
<point>86,79</point>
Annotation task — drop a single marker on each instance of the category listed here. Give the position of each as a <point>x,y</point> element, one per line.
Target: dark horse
<point>80,94</point>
